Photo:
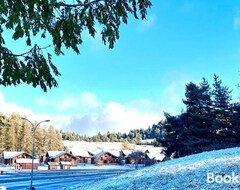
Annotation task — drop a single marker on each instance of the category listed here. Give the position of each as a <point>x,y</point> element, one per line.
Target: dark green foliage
<point>134,136</point>
<point>234,137</point>
<point>222,110</point>
<point>210,121</point>
<point>170,135</point>
<point>198,117</point>
<point>63,23</point>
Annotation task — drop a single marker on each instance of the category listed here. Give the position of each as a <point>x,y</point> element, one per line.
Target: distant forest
<point>211,121</point>
<point>134,136</point>
<point>16,135</point>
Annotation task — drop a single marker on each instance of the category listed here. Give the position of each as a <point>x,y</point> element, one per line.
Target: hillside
<point>189,172</point>
<point>97,147</point>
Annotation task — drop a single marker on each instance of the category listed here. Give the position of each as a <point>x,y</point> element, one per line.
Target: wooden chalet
<point>26,163</point>
<point>10,157</point>
<point>83,156</point>
<point>65,165</point>
<point>136,157</point>
<point>60,156</point>
<point>53,165</point>
<point>104,157</point>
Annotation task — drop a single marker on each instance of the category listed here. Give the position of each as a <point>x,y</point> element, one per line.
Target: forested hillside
<point>134,136</point>
<point>16,135</point>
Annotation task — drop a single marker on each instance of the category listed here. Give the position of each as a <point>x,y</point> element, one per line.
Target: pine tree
<point>234,138</point>
<point>197,120</point>
<point>26,136</point>
<point>222,113</point>
<point>169,137</point>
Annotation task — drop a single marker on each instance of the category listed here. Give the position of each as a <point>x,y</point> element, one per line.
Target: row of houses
<point>65,160</point>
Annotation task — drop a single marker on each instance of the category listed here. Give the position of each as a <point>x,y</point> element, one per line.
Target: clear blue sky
<point>145,74</point>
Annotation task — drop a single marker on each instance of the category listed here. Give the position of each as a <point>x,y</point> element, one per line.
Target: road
<point>56,180</point>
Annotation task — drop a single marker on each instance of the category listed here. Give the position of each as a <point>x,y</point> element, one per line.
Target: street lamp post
<point>34,127</point>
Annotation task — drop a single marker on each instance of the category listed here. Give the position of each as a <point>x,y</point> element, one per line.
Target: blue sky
<point>145,74</point>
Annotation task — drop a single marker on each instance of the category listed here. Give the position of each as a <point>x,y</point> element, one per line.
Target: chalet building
<point>60,156</point>
<point>104,157</point>
<point>65,165</point>
<point>26,163</point>
<point>53,165</point>
<point>136,157</point>
<point>10,157</point>
<point>153,158</point>
<point>123,154</point>
<point>83,156</point>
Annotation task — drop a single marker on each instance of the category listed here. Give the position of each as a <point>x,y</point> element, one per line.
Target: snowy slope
<point>189,172</point>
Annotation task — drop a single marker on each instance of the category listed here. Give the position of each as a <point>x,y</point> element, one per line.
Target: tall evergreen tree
<point>222,112</point>
<point>234,138</point>
<point>197,120</point>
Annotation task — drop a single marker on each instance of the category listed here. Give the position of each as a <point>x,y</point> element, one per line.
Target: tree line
<point>16,135</point>
<point>134,136</point>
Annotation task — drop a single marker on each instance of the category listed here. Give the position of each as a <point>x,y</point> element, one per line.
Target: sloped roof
<point>53,163</point>
<point>155,150</point>
<point>55,154</point>
<point>93,151</point>
<point>102,153</point>
<point>12,154</point>
<point>115,153</point>
<point>81,153</point>
<point>26,161</point>
<point>159,157</point>
<point>65,163</point>
<point>126,152</point>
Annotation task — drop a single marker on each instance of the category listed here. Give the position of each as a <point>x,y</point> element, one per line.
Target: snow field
<point>188,172</point>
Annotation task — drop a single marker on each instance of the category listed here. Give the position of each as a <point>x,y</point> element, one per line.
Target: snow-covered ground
<point>96,147</point>
<point>189,172</point>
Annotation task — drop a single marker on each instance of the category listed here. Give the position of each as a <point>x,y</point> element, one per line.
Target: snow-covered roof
<point>158,157</point>
<point>26,161</point>
<point>81,153</point>
<point>55,154</point>
<point>65,163</point>
<point>12,154</point>
<point>114,152</point>
<point>101,153</point>
<point>126,152</point>
<point>94,151</point>
<point>155,150</point>
<point>53,163</point>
